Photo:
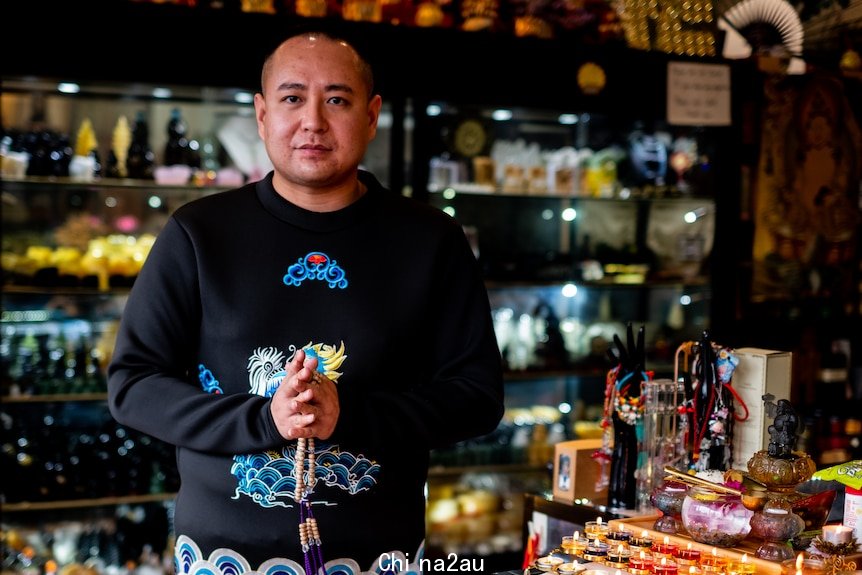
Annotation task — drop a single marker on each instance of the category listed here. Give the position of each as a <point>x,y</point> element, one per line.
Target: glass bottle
<point>177,146</point>
<point>140,159</point>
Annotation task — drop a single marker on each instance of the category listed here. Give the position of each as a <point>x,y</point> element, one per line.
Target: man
<point>305,340</point>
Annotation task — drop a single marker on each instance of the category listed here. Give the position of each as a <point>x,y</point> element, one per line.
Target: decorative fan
<point>777,15</point>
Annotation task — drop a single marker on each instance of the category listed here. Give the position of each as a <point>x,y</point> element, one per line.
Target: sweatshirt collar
<point>320,221</point>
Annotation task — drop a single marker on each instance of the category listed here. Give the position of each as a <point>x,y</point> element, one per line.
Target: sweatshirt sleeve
<point>151,383</point>
<point>457,394</point>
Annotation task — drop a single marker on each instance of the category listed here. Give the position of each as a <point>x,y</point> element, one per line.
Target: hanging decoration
<point>707,369</point>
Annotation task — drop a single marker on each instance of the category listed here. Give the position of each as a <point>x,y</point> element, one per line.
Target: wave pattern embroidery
<point>188,560</point>
<point>268,477</point>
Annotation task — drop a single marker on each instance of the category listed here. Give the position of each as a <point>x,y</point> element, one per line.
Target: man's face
<point>314,114</point>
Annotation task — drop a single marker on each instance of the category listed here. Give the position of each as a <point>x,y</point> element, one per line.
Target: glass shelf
<point>25,506</point>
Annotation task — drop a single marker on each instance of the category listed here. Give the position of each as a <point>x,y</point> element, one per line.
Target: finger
<point>630,339</point>
<point>298,360</point>
<point>621,351</point>
<point>640,346</point>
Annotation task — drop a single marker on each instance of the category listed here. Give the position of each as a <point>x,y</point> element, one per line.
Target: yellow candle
<point>712,563</point>
<point>803,566</point>
<point>742,567</point>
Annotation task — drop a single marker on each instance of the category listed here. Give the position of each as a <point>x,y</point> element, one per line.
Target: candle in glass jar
<point>619,557</point>
<point>664,567</point>
<point>596,529</point>
<point>712,563</point>
<point>741,567</point>
<point>640,564</point>
<point>642,543</point>
<point>665,549</point>
<point>803,566</point>
<point>618,536</point>
<point>574,544</point>
<point>688,556</point>
<point>596,551</point>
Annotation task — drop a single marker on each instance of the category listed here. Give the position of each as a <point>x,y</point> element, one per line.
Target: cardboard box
<point>760,371</point>
<point>577,473</point>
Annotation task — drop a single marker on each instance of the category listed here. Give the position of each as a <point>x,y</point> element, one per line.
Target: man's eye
<point>337,100</point>
<point>290,99</point>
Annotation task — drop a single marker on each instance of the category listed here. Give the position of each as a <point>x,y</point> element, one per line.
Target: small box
<point>760,371</point>
<point>577,475</point>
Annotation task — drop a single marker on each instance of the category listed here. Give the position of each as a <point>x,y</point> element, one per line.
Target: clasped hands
<point>306,402</point>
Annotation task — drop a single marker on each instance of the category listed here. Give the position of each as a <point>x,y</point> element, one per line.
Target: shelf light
<point>694,215</point>
<point>568,119</point>
<point>502,115</point>
<point>68,88</point>
<point>433,110</point>
<point>547,215</point>
<point>570,290</point>
<point>565,407</point>
<point>569,214</point>
<point>685,299</point>
<point>25,315</point>
<point>154,202</point>
<point>162,93</point>
<point>449,210</point>
<point>449,193</point>
<point>243,97</point>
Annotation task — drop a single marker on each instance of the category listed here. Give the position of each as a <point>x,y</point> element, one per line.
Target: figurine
<point>785,428</point>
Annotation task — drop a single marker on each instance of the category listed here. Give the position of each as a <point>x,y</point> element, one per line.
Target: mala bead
<point>315,534</point>
<point>309,534</point>
<point>311,464</point>
<point>303,534</point>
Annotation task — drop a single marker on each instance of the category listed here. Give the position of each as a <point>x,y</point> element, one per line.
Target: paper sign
<point>698,94</point>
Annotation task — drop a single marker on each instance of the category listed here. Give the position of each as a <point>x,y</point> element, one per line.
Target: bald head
<point>311,39</point>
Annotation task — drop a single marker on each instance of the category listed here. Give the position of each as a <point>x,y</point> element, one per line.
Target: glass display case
<point>582,222</point>
<point>77,486</point>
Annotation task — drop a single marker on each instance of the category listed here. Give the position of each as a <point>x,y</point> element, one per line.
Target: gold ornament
<point>591,78</point>
<point>122,138</point>
<point>86,139</point>
<point>265,6</point>
<point>311,8</point>
<point>470,138</point>
<point>429,14</point>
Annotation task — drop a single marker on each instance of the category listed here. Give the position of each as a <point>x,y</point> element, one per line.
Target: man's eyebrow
<point>329,88</point>
<point>290,86</point>
<point>339,88</point>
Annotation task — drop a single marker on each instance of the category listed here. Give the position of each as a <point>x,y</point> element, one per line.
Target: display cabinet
<point>77,486</point>
<point>583,219</point>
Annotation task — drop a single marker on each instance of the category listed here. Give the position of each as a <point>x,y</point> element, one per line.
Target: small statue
<point>785,428</point>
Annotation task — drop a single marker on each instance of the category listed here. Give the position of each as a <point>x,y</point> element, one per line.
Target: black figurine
<point>785,429</point>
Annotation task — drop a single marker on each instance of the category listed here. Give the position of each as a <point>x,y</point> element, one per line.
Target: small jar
<point>668,498</point>
<point>776,524</point>
<point>718,519</point>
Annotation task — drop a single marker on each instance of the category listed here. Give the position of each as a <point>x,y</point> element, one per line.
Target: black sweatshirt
<point>386,292</point>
